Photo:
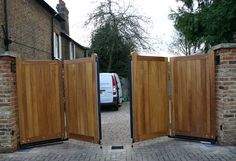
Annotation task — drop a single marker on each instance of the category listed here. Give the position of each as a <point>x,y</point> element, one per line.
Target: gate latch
<point>13,66</point>
<point>217,59</point>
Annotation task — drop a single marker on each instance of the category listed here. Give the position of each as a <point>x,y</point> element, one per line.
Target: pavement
<point>116,125</point>
<point>116,132</point>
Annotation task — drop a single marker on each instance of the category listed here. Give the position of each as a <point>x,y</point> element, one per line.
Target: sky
<point>160,30</point>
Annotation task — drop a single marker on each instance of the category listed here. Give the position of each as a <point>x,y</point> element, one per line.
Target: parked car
<point>110,90</point>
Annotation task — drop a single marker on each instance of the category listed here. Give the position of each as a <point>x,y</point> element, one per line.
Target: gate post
<point>225,57</point>
<point>131,98</point>
<point>98,98</point>
<point>9,131</point>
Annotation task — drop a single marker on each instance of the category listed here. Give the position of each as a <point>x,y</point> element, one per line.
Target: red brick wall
<point>226,96</point>
<point>8,107</point>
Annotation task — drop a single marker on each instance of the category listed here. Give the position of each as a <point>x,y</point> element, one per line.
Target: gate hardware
<point>13,66</point>
<point>98,101</point>
<point>131,99</point>
<point>117,147</point>
<point>221,127</point>
<point>193,138</point>
<point>217,59</point>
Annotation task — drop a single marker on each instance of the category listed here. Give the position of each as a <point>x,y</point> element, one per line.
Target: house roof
<point>66,36</point>
<point>47,7</point>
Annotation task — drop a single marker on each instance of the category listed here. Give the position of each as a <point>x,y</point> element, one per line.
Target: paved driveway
<point>116,125</point>
<point>154,150</point>
<point>116,132</point>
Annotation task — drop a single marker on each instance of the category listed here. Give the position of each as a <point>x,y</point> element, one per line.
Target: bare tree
<point>123,20</point>
<point>180,46</point>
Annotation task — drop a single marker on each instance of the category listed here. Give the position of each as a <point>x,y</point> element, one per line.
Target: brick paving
<point>153,150</point>
<point>116,125</point>
<point>163,149</point>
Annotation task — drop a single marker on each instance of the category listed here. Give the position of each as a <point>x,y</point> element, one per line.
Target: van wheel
<point>116,108</point>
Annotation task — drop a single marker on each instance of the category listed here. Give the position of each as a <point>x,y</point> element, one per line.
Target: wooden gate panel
<point>150,97</point>
<point>81,96</point>
<point>193,94</point>
<point>39,89</point>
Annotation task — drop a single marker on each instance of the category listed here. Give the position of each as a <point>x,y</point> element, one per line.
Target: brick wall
<point>29,24</point>
<point>226,94</point>
<point>79,52</point>
<point>8,107</point>
<point>65,49</point>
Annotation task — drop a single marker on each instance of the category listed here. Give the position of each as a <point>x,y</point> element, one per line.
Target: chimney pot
<point>61,8</point>
<point>61,2</point>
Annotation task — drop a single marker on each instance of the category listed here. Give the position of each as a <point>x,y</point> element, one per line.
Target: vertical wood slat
<point>40,102</point>
<point>193,96</point>
<point>150,97</point>
<point>81,95</point>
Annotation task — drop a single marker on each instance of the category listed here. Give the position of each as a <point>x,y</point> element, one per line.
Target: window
<point>72,51</point>
<point>57,46</point>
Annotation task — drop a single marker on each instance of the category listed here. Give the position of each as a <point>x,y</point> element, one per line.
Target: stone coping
<point>224,46</point>
<point>8,53</point>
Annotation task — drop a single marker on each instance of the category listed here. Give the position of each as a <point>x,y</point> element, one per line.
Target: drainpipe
<point>7,41</point>
<point>52,38</point>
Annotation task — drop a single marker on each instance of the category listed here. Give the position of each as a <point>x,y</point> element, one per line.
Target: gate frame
<point>131,97</point>
<point>99,100</point>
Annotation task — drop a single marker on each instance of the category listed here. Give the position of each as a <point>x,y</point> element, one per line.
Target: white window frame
<point>72,51</point>
<point>57,46</point>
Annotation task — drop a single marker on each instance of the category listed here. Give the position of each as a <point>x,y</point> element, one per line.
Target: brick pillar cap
<point>8,54</point>
<point>224,46</point>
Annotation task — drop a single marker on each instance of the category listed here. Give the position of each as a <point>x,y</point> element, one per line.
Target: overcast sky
<point>160,29</point>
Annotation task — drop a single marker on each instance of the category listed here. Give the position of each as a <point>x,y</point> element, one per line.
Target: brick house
<point>70,48</point>
<point>34,30</point>
<point>30,29</point>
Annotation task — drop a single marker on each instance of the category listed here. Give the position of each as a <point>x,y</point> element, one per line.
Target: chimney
<point>64,12</point>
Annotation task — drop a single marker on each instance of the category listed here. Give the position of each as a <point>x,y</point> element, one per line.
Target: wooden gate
<point>150,97</point>
<point>39,90</point>
<point>81,99</point>
<point>193,96</point>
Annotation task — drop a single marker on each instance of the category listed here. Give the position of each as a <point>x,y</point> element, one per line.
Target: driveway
<point>154,150</point>
<point>116,125</point>
<point>116,131</point>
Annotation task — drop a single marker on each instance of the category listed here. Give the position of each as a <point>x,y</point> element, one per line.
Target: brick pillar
<point>226,93</point>
<point>8,106</point>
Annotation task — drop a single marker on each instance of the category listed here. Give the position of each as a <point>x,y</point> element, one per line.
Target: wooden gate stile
<point>193,96</point>
<point>150,97</point>
<point>39,92</point>
<point>81,95</point>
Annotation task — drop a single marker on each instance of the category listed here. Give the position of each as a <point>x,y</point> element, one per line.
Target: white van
<point>110,90</point>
